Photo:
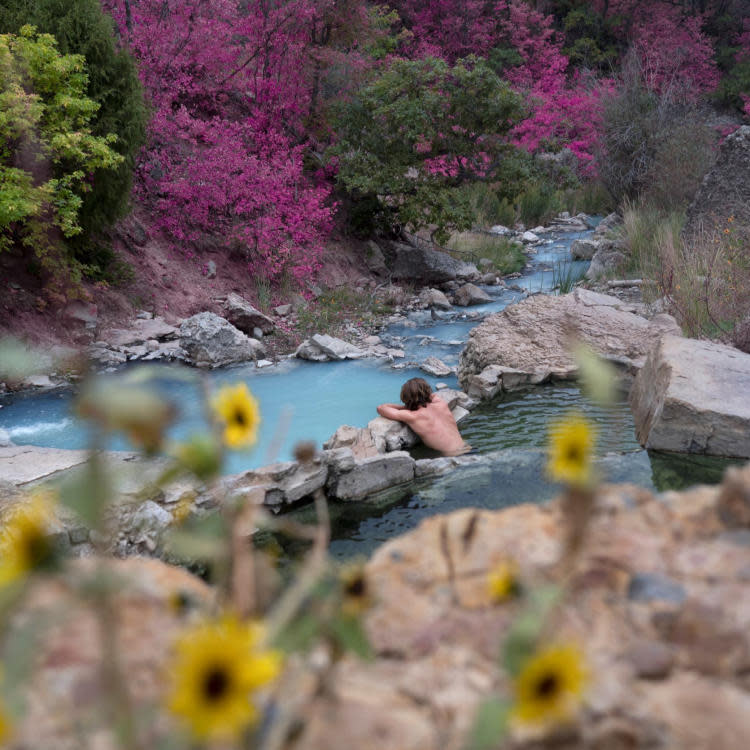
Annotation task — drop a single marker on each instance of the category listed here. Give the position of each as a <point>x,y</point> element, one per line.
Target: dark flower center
<point>240,418</point>
<point>548,686</point>
<point>356,587</point>
<point>575,454</point>
<point>39,550</point>
<point>215,684</point>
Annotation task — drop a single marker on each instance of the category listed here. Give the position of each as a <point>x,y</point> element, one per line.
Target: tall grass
<point>565,276</point>
<point>506,255</point>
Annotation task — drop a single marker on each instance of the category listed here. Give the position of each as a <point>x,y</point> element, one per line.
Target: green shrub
<point>46,147</point>
<point>539,203</point>
<point>590,197</point>
<point>488,207</point>
<point>82,28</point>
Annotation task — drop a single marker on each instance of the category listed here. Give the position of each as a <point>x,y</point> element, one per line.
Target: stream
<point>308,401</point>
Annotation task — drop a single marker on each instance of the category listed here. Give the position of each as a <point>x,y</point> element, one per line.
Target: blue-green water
<point>309,401</point>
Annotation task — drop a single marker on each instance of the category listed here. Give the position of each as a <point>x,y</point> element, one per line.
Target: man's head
<point>415,393</point>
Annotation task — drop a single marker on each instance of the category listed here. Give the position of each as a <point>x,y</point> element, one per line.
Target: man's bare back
<point>433,422</point>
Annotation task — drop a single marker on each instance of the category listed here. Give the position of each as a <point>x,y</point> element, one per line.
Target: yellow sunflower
<point>502,581</point>
<point>216,668</point>
<point>26,544</point>
<point>571,444</point>
<point>238,411</point>
<point>550,685</point>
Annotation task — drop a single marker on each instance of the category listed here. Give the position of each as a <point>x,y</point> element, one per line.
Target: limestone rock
<point>527,343</point>
<point>391,435</point>
<point>725,190</point>
<point>436,367</point>
<point>371,475</point>
<point>469,294</point>
<point>283,310</point>
<point>241,314</point>
<point>322,348</point>
<point>501,230</point>
<point>607,226</point>
<point>427,266</point>
<point>211,341</point>
<point>693,397</point>
<point>610,257</point>
<point>434,298</point>
<point>141,331</point>
<point>529,237</point>
<point>64,687</point>
<point>358,440</point>
<point>375,259</point>
<point>583,249</point>
<point>282,483</point>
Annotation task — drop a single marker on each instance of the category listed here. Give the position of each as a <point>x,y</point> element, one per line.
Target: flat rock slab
<point>529,342</point>
<point>693,397</point>
<point>22,464</point>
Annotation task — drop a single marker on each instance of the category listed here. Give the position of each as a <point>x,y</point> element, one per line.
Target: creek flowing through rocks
<point>308,401</point>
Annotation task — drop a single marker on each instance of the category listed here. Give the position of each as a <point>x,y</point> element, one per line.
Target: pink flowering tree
<point>230,87</point>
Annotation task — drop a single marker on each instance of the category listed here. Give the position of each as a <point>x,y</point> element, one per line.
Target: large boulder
<point>470,294</point>
<point>725,190</point>
<point>209,340</point>
<point>434,298</point>
<point>423,265</point>
<point>529,342</point>
<point>693,397</point>
<point>241,314</point>
<point>583,249</point>
<point>610,257</point>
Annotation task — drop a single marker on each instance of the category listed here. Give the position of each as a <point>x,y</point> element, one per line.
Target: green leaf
<point>490,725</point>
<point>19,654</point>
<point>520,642</point>
<point>88,492</point>
<point>350,634</point>
<point>524,633</point>
<point>298,635</point>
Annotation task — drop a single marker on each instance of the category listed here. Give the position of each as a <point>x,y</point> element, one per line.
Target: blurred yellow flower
<point>5,725</point>
<point>216,668</point>
<point>238,410</point>
<point>550,685</point>
<point>26,544</point>
<point>571,443</point>
<point>502,582</point>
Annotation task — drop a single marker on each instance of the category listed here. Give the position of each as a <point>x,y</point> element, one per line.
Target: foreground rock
<point>725,190</point>
<point>529,342</point>
<point>659,602</point>
<point>65,687</point>
<point>426,266</point>
<point>693,397</point>
<point>209,340</point>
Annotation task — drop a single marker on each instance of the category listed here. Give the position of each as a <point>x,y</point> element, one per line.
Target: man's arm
<point>395,411</point>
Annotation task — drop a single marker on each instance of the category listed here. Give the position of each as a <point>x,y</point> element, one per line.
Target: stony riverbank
<point>658,603</point>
